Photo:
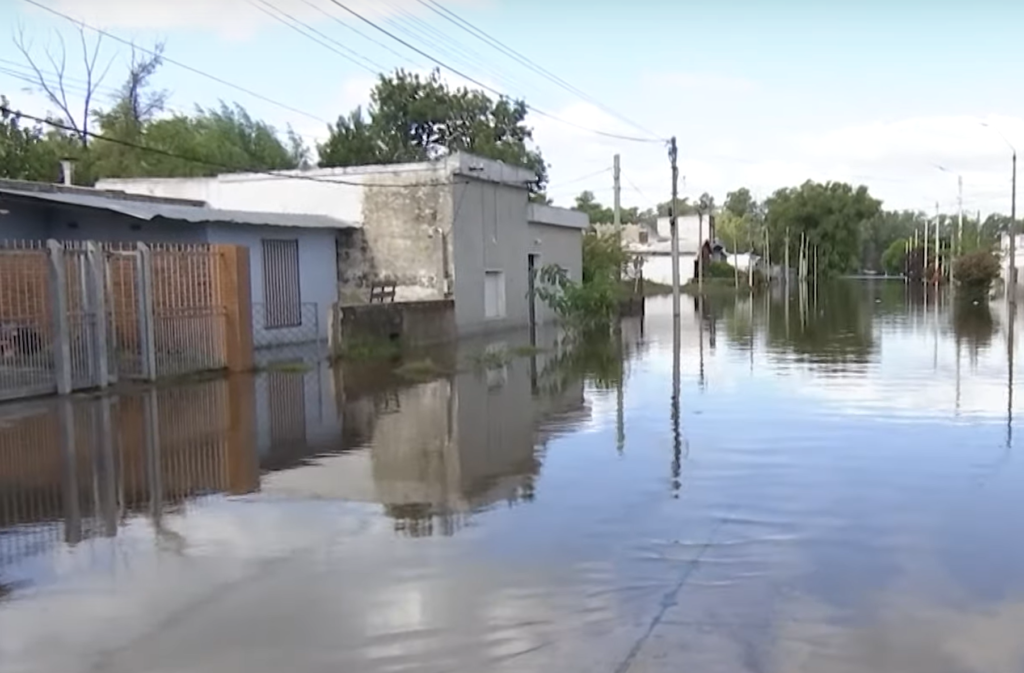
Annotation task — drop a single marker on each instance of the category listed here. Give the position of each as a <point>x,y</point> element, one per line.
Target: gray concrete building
<point>459,228</point>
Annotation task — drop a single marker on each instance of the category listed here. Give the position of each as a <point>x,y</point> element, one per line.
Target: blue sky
<point>759,94</point>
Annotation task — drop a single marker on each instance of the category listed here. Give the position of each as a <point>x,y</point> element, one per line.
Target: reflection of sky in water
<point>846,515</point>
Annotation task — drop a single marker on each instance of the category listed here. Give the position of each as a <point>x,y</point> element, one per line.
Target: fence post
<point>96,290</point>
<point>59,308</point>
<point>146,311</point>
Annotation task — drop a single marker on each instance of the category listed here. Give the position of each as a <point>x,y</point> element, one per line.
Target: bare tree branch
<point>56,95</point>
<point>57,91</point>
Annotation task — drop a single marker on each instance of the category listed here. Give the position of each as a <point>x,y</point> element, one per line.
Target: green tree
<point>739,203</point>
<point>214,141</point>
<point>26,151</point>
<point>829,216</point>
<point>413,118</point>
<point>895,256</point>
<point>683,205</point>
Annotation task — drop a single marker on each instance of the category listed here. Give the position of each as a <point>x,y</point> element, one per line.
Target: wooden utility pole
<point>673,155</point>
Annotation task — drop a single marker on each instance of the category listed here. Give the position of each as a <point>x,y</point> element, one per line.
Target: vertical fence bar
<point>96,287</point>
<point>146,310</point>
<point>59,306</point>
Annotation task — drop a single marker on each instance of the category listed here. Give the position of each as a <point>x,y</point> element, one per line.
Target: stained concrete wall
<point>407,232</point>
<point>419,323</point>
<point>489,234</point>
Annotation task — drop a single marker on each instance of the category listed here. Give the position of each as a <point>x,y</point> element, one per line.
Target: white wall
<point>688,227</point>
<point>658,268</point>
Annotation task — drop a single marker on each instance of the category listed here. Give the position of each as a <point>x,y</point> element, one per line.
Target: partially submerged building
<point>460,229</point>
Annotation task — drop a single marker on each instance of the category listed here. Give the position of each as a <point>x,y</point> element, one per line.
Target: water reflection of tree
<point>596,356</point>
<point>835,329</point>
<point>973,324</point>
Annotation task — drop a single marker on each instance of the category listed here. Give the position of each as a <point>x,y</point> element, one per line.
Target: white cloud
<point>234,19</point>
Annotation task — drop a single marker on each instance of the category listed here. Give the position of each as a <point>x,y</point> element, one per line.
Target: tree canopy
<point>829,216</point>
<point>413,118</point>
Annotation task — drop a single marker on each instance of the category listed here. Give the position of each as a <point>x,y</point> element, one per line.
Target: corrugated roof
<point>148,210</point>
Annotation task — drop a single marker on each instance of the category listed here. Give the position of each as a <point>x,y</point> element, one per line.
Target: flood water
<point>835,488</point>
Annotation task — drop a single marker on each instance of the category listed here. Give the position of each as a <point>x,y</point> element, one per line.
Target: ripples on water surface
<point>840,493</point>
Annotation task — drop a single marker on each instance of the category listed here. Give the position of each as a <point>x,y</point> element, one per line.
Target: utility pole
<point>786,258</point>
<point>936,271</point>
<point>673,155</point>
<point>1013,235</point>
<point>924,261</point>
<point>960,214</point>
<point>618,193</point>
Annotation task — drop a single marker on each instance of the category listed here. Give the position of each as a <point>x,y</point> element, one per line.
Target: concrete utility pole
<point>1013,234</point>
<point>618,192</point>
<point>937,273</point>
<point>924,261</point>
<point>673,155</point>
<point>785,262</point>
<point>959,214</point>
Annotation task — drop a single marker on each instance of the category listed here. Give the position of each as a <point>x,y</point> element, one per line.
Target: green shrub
<point>976,270</point>
<point>720,270</point>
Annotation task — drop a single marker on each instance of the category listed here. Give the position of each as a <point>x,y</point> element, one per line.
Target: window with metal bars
<point>281,298</point>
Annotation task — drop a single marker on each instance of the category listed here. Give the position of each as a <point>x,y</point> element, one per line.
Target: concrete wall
<point>688,227</point>
<point>489,234</point>
<point>556,245</point>
<point>317,277</point>
<point>419,323</point>
<point>406,232</point>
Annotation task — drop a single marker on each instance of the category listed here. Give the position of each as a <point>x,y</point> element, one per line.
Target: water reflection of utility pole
<point>956,404</point>
<point>700,337</point>
<point>72,502</point>
<point>1012,309</point>
<point>935,355</point>
<point>677,452</point>
<point>620,424</point>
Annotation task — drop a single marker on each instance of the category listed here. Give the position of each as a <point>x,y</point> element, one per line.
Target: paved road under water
<point>839,492</point>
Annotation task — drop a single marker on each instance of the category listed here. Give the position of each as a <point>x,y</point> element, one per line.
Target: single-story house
<point>292,255</point>
<point>460,228</point>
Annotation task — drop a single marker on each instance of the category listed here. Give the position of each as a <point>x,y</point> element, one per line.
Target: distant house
<point>460,228</point>
<point>292,260</point>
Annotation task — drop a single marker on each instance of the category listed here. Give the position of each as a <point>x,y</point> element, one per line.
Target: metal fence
<point>299,344</point>
<point>71,470</point>
<point>77,315</point>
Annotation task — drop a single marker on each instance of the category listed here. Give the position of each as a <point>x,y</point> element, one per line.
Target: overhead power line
<point>338,48</point>
<point>197,71</point>
<point>559,185</point>
<point>213,164</point>
<point>477,82</point>
<point>358,32</point>
<point>481,35</point>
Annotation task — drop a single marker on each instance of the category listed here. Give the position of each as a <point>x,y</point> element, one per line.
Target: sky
<point>758,94</point>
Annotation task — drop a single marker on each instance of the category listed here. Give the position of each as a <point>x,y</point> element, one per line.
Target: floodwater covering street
<point>834,489</point>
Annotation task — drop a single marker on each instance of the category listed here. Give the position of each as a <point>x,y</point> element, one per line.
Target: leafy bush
<point>594,299</point>
<point>718,269</point>
<point>976,270</point>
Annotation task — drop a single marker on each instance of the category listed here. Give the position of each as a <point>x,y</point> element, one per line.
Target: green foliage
<point>226,137</point>
<point>26,150</point>
<point>740,203</point>
<point>683,207</point>
<point>975,271</point>
<point>599,214</point>
<point>592,301</point>
<point>894,258</point>
<point>829,215</point>
<point>718,269</point>
<point>413,118</point>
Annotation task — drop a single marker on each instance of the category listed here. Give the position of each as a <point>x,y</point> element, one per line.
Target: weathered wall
<point>418,323</point>
<point>556,245</point>
<point>490,234</point>
<point>405,230</point>
<point>68,223</point>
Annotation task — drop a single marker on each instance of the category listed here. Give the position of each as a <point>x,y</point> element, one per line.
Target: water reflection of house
<point>440,449</point>
<point>431,452</point>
